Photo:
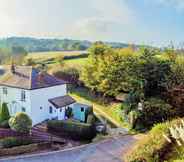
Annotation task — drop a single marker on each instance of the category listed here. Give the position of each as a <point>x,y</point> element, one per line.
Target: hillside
<point>39,45</point>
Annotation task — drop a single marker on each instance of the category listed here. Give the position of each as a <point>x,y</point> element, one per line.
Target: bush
<point>20,123</point>
<point>154,146</point>
<point>71,74</point>
<point>132,118</point>
<point>4,113</point>
<point>4,124</point>
<point>73,129</point>
<point>154,111</point>
<point>13,141</point>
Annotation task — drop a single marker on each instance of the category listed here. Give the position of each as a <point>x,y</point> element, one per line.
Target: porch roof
<point>62,101</point>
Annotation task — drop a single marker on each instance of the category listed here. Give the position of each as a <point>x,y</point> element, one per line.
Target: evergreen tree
<point>4,112</point>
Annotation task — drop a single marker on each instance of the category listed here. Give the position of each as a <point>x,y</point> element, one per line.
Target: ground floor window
<point>82,109</point>
<point>50,110</point>
<point>23,109</point>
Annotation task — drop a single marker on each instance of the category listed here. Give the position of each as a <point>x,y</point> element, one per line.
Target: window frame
<point>5,90</point>
<point>23,95</point>
<point>82,109</point>
<point>50,109</point>
<point>23,109</point>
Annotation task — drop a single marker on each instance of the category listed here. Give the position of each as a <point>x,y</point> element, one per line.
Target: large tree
<point>107,69</point>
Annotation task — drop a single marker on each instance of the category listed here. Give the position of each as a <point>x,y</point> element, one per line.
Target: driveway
<point>110,150</point>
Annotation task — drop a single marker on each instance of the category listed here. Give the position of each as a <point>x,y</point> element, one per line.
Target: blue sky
<point>155,22</point>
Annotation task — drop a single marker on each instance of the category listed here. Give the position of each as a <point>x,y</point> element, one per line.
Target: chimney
<point>13,68</point>
<point>41,77</point>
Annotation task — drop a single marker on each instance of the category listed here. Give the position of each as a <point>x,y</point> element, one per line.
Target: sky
<point>154,22</point>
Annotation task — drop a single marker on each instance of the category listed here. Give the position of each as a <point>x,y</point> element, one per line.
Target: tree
<point>152,72</point>
<point>18,54</point>
<point>107,69</point>
<point>154,111</point>
<point>78,46</point>
<point>4,113</point>
<point>177,77</point>
<point>30,62</point>
<point>21,123</point>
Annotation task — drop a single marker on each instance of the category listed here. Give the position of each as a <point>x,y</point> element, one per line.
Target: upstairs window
<point>23,95</point>
<point>5,91</point>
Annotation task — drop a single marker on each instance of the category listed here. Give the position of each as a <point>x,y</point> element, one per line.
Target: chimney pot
<point>13,68</point>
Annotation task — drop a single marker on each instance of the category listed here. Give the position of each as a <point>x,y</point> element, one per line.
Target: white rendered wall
<point>13,99</point>
<point>34,100</point>
<point>39,98</point>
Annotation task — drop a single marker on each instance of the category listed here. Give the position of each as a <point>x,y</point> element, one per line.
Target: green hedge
<point>154,146</point>
<point>9,142</point>
<point>4,124</point>
<point>73,129</point>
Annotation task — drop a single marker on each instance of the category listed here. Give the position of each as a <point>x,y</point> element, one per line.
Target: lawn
<point>77,61</point>
<point>111,111</point>
<point>48,58</point>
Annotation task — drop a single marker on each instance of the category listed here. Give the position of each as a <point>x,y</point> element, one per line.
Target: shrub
<point>73,129</point>
<point>4,112</point>
<point>154,111</point>
<point>4,124</point>
<point>20,123</point>
<point>71,74</point>
<point>9,142</point>
<point>154,146</point>
<point>132,118</point>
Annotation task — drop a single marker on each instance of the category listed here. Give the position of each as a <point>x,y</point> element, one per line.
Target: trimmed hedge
<point>73,129</point>
<point>24,149</point>
<point>154,146</point>
<point>9,142</point>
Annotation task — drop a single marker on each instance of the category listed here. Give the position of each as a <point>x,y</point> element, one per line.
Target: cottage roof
<point>27,77</point>
<point>62,101</point>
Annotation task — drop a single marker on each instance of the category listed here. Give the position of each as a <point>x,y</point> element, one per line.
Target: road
<point>110,150</point>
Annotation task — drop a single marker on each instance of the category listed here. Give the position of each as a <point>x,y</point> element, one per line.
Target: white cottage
<point>40,95</point>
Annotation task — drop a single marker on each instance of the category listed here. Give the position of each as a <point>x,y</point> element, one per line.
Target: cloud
<point>107,17</point>
<point>177,4</point>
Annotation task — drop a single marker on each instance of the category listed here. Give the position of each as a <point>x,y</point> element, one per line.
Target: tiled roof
<point>27,77</point>
<point>62,101</point>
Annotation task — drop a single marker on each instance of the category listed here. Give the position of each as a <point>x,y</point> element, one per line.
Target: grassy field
<point>77,62</point>
<point>53,54</point>
<point>111,111</point>
<point>48,58</point>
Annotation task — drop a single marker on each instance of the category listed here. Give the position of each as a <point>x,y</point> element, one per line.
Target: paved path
<point>110,150</point>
